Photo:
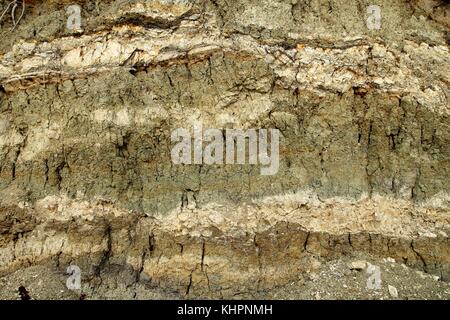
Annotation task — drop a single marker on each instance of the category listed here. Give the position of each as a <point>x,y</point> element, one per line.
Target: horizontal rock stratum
<point>86,116</point>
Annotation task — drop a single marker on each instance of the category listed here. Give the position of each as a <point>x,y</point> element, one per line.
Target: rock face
<point>86,116</point>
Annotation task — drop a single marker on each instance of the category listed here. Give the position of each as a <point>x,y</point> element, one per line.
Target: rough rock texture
<point>86,117</point>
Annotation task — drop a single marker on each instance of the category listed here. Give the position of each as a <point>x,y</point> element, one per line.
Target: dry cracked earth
<point>87,179</point>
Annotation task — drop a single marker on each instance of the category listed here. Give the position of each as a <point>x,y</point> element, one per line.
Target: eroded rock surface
<point>86,117</point>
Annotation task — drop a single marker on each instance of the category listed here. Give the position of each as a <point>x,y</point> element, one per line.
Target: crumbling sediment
<point>86,116</point>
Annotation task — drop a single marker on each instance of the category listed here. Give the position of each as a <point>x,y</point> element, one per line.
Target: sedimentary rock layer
<point>86,117</point>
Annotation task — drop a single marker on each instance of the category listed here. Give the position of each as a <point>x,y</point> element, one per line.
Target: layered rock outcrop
<point>86,116</point>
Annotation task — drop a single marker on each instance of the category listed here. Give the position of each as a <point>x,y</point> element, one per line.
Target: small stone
<point>436,278</point>
<point>442,233</point>
<point>358,265</point>
<point>390,260</point>
<point>427,234</point>
<point>393,291</point>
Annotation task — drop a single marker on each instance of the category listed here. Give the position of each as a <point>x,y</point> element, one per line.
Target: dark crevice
<point>58,172</point>
<point>305,244</point>
<point>148,22</point>
<point>203,255</point>
<point>419,255</point>
<point>188,289</point>
<point>151,243</point>
<point>24,294</point>
<point>106,254</point>
<point>122,147</point>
